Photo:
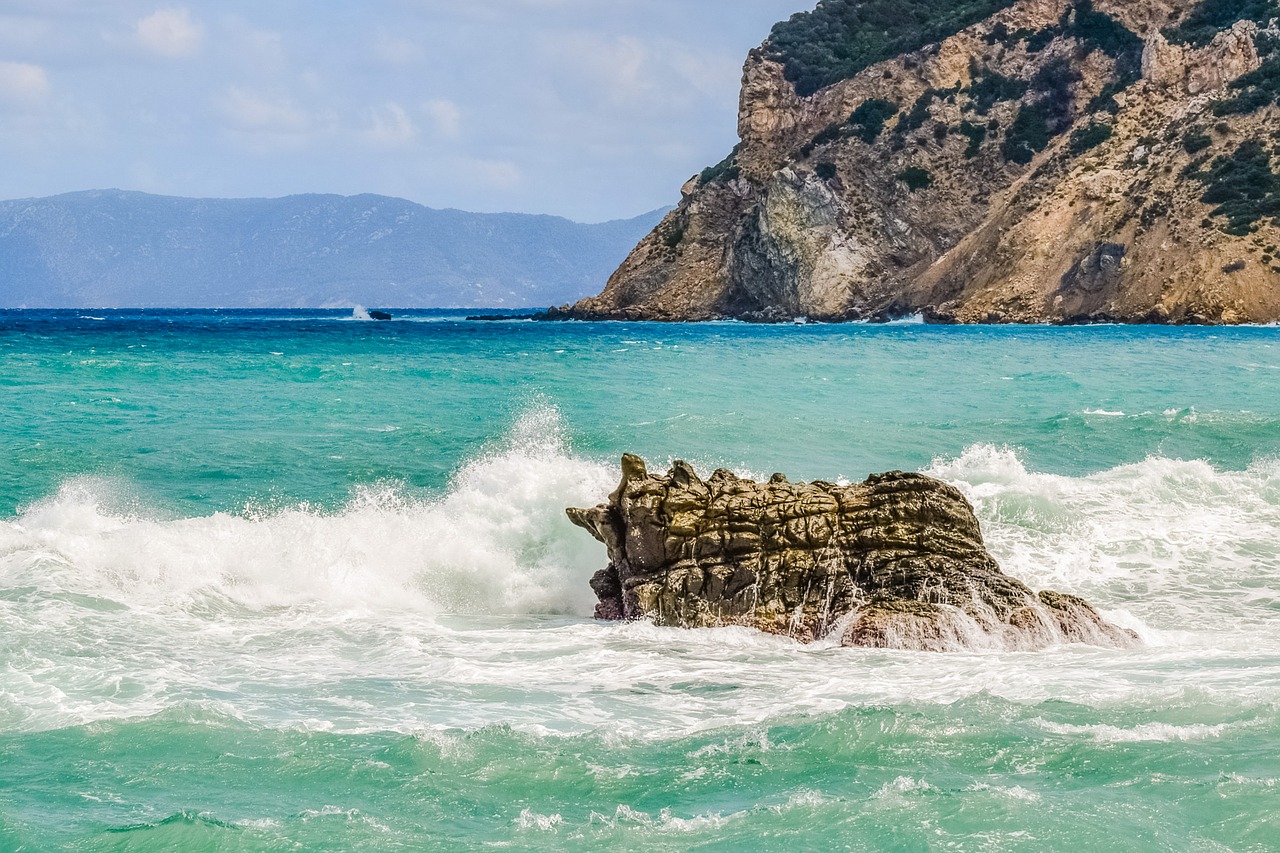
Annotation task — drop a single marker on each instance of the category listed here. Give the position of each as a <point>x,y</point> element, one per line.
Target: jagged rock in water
<point>895,562</point>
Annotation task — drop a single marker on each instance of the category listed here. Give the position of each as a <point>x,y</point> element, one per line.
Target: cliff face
<point>1055,162</point>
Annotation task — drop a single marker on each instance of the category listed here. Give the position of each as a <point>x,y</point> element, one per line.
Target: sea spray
<point>395,613</point>
<point>496,541</point>
<point>1179,543</point>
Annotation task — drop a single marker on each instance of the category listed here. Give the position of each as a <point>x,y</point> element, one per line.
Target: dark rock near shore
<point>897,561</point>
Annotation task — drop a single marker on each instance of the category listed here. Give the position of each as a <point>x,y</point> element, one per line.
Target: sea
<point>297,580</point>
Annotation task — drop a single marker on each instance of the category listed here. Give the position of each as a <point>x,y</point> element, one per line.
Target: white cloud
<point>246,111</point>
<point>446,116</point>
<point>495,174</point>
<point>171,33</point>
<point>596,109</point>
<point>712,75</point>
<point>615,68</point>
<point>22,83</point>
<point>262,50</point>
<point>389,127</point>
<point>396,50</point>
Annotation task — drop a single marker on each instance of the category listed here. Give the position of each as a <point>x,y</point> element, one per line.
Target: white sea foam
<point>901,787</point>
<point>1016,792</point>
<point>665,821</point>
<point>529,819</point>
<point>467,610</point>
<point>1177,544</point>
<point>1139,733</point>
<point>496,542</point>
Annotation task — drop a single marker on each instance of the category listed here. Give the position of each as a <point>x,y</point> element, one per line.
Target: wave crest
<point>1181,543</point>
<point>496,541</point>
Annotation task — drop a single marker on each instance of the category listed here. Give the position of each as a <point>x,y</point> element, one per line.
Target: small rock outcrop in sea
<point>897,561</point>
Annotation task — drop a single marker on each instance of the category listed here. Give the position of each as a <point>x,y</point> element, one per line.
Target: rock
<point>379,315</point>
<point>1230,55</point>
<point>897,562</point>
<point>819,222</point>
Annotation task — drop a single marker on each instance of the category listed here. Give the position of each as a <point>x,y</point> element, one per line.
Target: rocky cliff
<point>986,161</point>
<point>895,562</point>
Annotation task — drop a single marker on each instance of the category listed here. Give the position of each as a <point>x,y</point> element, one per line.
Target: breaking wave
<point>496,541</point>
<point>467,608</point>
<point>1167,544</point>
<point>1181,543</point>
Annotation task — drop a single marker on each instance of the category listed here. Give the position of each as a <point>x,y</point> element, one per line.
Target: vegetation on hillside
<point>976,134</point>
<point>1049,112</point>
<point>1258,89</point>
<point>1243,186</point>
<point>991,87</point>
<point>840,38</point>
<point>869,118</point>
<point>726,170</point>
<point>1210,16</point>
<point>916,178</point>
<point>1085,139</point>
<point>919,114</point>
<point>1095,31</point>
<point>1048,115</point>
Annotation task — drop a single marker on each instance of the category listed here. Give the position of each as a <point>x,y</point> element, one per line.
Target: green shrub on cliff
<point>1196,140</point>
<point>726,170</point>
<point>990,88</point>
<point>1210,16</point>
<point>1028,135</point>
<point>1243,186</point>
<point>869,118</point>
<point>977,134</point>
<point>1257,89</point>
<point>1088,138</point>
<point>674,235</point>
<point>916,178</point>
<point>1098,31</point>
<point>1055,84</point>
<point>919,114</point>
<point>842,37</point>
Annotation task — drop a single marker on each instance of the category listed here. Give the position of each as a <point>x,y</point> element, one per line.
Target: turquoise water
<point>278,581</point>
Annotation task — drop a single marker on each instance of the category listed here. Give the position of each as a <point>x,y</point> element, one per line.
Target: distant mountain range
<point>108,248</point>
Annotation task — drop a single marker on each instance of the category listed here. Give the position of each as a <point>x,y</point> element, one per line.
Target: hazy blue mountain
<point>109,248</point>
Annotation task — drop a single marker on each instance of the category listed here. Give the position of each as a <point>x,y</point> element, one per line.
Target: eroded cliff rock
<point>981,177</point>
<point>895,562</point>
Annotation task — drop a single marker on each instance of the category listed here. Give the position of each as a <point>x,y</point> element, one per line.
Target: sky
<point>590,109</point>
